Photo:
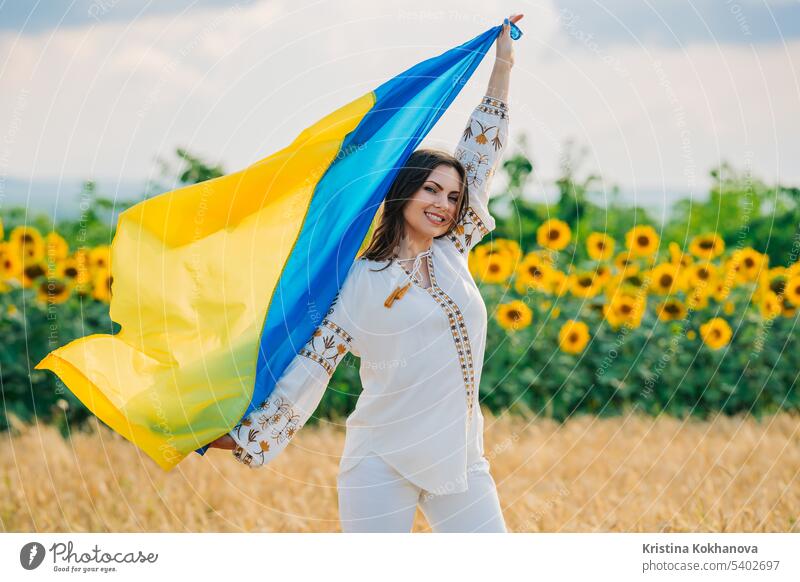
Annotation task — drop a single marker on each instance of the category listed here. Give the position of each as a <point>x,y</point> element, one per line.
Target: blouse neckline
<point>428,254</point>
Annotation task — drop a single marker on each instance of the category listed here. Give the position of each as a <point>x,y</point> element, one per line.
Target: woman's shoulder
<point>363,264</point>
<point>363,274</point>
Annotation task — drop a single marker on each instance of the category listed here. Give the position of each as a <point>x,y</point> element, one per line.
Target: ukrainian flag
<point>215,285</point>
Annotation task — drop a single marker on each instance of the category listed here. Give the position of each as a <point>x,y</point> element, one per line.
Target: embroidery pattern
<point>458,329</point>
<point>328,345</point>
<point>465,230</point>
<point>276,422</point>
<point>494,107</point>
<point>268,432</point>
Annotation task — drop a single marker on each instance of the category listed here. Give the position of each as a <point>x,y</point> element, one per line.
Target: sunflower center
<point>643,240</point>
<point>34,271</point>
<point>514,315</point>
<point>53,287</point>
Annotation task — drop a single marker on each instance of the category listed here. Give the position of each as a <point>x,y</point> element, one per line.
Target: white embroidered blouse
<point>421,359</point>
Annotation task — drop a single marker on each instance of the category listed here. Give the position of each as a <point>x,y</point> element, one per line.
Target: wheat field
<point>626,474</point>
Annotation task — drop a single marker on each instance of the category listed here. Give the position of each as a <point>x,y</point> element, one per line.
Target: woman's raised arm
<point>482,144</point>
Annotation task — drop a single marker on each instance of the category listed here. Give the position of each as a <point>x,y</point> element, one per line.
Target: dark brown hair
<point>387,236</point>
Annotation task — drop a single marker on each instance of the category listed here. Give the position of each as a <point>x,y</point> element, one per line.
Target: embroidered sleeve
<point>480,150</point>
<point>266,431</point>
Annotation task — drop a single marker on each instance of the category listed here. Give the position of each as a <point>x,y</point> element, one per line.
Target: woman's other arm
<point>266,431</point>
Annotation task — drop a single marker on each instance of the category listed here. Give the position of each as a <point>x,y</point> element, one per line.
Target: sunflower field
<point>683,331</point>
<point>50,294</point>
<point>592,309</point>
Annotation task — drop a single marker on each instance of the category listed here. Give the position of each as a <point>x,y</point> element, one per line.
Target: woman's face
<point>437,197</point>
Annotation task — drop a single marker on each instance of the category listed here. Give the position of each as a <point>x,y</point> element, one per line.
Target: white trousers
<point>374,497</point>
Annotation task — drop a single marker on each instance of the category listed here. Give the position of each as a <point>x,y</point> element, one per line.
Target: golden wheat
<point>631,473</point>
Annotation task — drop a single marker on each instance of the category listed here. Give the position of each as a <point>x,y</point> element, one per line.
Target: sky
<point>657,92</point>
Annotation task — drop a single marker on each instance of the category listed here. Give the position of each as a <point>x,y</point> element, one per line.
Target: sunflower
<point>573,336</point>
<point>10,266</point>
<point>625,262</point>
<point>585,284</point>
<point>532,272</point>
<point>27,243</point>
<point>707,246</point>
<point>100,258</point>
<point>701,274</point>
<point>729,307</point>
<point>719,290</point>
<point>600,246</point>
<point>55,247</point>
<point>479,258</point>
<point>787,309</point>
<point>514,315</point>
<point>495,268</point>
<point>716,333</point>
<point>31,272</point>
<point>770,305</point>
<point>677,256</point>
<point>672,310</point>
<point>101,286</point>
<point>52,291</point>
<point>642,241</point>
<point>792,290</point>
<point>554,234</point>
<point>72,271</point>
<point>665,279</point>
<point>624,309</point>
<point>749,264</point>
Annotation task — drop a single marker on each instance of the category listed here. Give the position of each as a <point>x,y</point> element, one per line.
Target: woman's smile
<point>435,217</point>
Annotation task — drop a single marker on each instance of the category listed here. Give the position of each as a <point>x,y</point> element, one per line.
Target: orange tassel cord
<point>396,294</point>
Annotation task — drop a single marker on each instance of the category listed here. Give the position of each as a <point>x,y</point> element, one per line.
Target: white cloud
<point>237,84</point>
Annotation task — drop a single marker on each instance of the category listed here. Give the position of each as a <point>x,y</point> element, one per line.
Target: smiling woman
<point>416,435</point>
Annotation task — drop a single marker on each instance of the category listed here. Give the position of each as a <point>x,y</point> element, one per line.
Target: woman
<point>410,309</point>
